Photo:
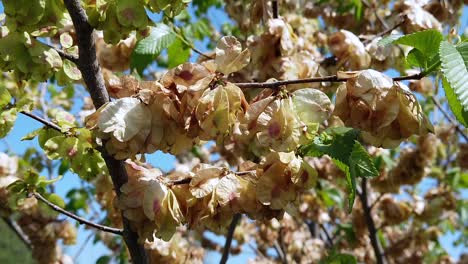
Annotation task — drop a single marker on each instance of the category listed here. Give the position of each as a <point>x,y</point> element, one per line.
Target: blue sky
<point>91,252</point>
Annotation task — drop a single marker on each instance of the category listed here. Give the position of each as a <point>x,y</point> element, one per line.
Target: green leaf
<point>61,147</point>
<point>71,70</point>
<point>358,10</point>
<point>416,58</point>
<point>31,178</point>
<point>5,96</point>
<point>104,260</point>
<point>64,167</point>
<point>66,40</point>
<point>463,49</point>
<point>177,53</point>
<point>339,258</point>
<point>7,120</point>
<point>426,41</point>
<point>18,187</point>
<point>56,199</point>
<point>454,61</point>
<point>349,232</point>
<point>338,143</point>
<point>147,49</point>
<point>341,144</point>
<point>455,105</point>
<point>43,181</point>
<point>45,134</point>
<point>199,29</point>
<point>78,199</point>
<point>361,163</point>
<point>388,40</point>
<point>32,135</point>
<point>202,6</point>
<point>350,182</point>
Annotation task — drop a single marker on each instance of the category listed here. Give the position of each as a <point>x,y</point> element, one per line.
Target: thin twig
<point>329,238</point>
<point>240,173</point>
<point>280,252</point>
<point>65,55</point>
<point>331,78</point>
<point>449,118</point>
<point>227,245</point>
<point>370,223</point>
<point>280,241</point>
<point>383,33</point>
<point>80,250</point>
<point>312,229</point>
<point>277,84</point>
<point>77,218</point>
<point>42,120</point>
<point>188,180</point>
<point>180,182</point>
<point>17,229</point>
<point>201,53</point>
<point>180,34</point>
<point>379,18</point>
<point>256,250</point>
<point>389,30</point>
<point>92,77</point>
<point>376,201</point>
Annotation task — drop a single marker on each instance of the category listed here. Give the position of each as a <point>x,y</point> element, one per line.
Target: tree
<point>320,155</point>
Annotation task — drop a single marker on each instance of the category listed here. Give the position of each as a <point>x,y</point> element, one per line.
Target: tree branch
<point>370,223</point>
<point>92,76</point>
<point>331,78</point>
<point>77,218</point>
<point>14,226</point>
<point>277,84</point>
<point>87,61</point>
<point>227,245</point>
<point>449,118</point>
<point>43,121</point>
<point>275,8</point>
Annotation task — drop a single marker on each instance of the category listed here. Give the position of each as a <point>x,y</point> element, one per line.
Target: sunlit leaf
<point>454,66</point>
<point>147,49</point>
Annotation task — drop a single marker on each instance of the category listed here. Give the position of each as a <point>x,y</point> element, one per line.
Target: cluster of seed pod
<point>209,196</point>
